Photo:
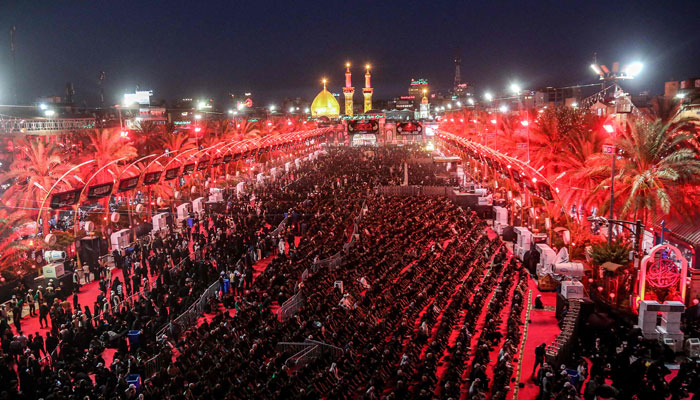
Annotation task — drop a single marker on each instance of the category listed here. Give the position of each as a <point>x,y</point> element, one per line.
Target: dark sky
<point>283,48</point>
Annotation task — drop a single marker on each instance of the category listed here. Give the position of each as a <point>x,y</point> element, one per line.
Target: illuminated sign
<point>408,97</point>
<point>171,173</point>
<point>99,191</point>
<point>65,199</point>
<point>367,126</point>
<point>421,81</point>
<point>409,128</point>
<point>182,122</point>
<point>151,177</point>
<point>202,165</point>
<point>187,169</point>
<point>128,184</point>
<point>142,97</point>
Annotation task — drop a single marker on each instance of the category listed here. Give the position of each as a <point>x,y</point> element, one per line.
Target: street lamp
<point>470,101</point>
<point>503,108</point>
<point>611,130</point>
<point>488,96</point>
<point>515,88</point>
<point>49,113</point>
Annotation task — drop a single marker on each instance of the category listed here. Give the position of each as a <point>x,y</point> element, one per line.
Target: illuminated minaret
<point>348,90</point>
<point>367,90</point>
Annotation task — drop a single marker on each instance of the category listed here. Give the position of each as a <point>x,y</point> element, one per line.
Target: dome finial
<point>324,80</point>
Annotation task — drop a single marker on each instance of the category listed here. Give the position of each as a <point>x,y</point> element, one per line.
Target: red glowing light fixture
<point>525,123</point>
<point>609,128</point>
<point>600,288</point>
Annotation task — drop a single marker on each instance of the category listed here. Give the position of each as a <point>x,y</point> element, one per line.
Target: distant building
<point>556,97</point>
<point>416,90</point>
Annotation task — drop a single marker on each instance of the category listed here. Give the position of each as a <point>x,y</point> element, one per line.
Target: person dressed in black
<point>539,357</point>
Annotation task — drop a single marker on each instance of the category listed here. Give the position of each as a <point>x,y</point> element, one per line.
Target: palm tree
<point>146,136</point>
<point>657,167</point>
<point>247,129</point>
<point>107,145</point>
<point>13,230</point>
<point>33,172</point>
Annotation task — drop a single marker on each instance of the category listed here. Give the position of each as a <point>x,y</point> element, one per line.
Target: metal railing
<point>290,307</point>
<point>307,351</point>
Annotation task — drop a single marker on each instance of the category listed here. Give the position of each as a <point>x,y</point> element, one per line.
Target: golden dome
<point>325,104</point>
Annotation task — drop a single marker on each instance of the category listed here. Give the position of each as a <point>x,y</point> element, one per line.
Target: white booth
<point>547,256</point>
<point>287,166</point>
<point>260,178</point>
<point>572,289</point>
<point>216,195</point>
<point>240,189</point>
<point>198,205</point>
<point>297,163</point>
<point>53,270</point>
<point>183,211</point>
<point>160,221</point>
<point>523,242</point>
<point>500,219</point>
<point>120,239</point>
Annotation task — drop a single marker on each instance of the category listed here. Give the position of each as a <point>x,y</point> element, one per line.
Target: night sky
<point>283,48</point>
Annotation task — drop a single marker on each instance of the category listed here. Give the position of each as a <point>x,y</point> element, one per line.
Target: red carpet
<point>541,329</point>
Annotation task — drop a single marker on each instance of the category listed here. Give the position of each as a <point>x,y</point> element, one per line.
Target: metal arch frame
<point>119,177</point>
<point>77,206</point>
<point>48,193</point>
<point>520,164</point>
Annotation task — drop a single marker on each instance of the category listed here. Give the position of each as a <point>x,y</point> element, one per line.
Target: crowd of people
<point>425,304</point>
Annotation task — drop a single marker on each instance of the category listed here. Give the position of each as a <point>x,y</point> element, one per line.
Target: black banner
<point>99,191</point>
<point>151,177</point>
<point>227,158</point>
<point>171,173</point>
<point>128,184</point>
<point>202,165</point>
<point>65,199</point>
<point>216,162</point>
<point>187,169</point>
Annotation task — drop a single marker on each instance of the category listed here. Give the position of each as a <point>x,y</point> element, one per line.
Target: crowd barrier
<point>415,190</point>
<point>307,351</point>
<point>296,302</point>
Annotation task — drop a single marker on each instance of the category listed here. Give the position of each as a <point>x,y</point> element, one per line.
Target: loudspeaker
<point>91,249</point>
<point>143,229</point>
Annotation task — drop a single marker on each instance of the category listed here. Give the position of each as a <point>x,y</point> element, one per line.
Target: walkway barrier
<point>156,363</point>
<point>290,307</point>
<point>415,190</point>
<point>189,318</point>
<point>308,351</point>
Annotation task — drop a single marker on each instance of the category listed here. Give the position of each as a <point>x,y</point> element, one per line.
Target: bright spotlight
<point>43,106</point>
<point>515,88</point>
<point>470,101</point>
<point>49,113</point>
<point>503,108</point>
<point>488,96</point>
<point>198,116</point>
<point>633,69</point>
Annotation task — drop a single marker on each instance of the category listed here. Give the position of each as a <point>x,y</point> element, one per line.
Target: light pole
<point>611,130</point>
